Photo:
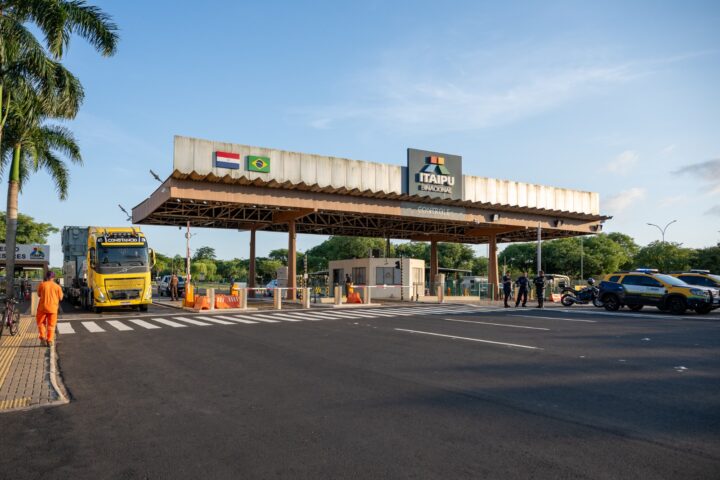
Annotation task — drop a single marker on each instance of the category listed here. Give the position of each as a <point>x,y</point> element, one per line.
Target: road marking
<point>555,318</point>
<point>470,339</point>
<point>191,321</point>
<point>64,328</point>
<point>119,325</point>
<point>327,315</point>
<point>498,324</point>
<point>313,317</point>
<point>258,319</point>
<point>280,317</point>
<point>215,320</point>
<point>169,322</point>
<point>93,327</point>
<point>236,320</point>
<point>144,324</point>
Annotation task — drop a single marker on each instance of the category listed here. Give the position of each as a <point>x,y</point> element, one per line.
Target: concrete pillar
<point>433,263</point>
<point>493,276</point>
<point>292,261</point>
<point>306,298</point>
<point>251,272</point>
<point>211,298</point>
<point>243,298</point>
<point>338,294</point>
<point>368,300</point>
<point>277,299</point>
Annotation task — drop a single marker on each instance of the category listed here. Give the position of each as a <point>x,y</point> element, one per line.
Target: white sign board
<point>28,253</point>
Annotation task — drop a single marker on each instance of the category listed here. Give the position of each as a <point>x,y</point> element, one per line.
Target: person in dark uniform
<point>523,284</point>
<point>348,284</point>
<point>507,288</point>
<point>539,283</point>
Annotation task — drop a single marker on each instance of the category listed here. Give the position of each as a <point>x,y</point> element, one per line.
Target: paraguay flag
<point>227,160</point>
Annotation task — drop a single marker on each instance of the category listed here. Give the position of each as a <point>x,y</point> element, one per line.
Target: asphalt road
<point>524,394</point>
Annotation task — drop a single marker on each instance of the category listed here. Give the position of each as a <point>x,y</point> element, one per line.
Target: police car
<point>643,287</point>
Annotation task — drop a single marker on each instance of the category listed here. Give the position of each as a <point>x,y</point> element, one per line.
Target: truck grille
<point>124,294</point>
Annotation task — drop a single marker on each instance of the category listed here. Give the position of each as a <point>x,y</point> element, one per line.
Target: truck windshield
<point>122,256</point>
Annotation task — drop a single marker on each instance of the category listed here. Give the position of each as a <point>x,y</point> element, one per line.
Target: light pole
<point>663,229</point>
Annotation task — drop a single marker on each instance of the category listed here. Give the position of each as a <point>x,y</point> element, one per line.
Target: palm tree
<point>33,88</point>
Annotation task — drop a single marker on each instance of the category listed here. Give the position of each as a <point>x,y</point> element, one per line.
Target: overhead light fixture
<point>494,217</point>
<point>559,223</point>
<point>596,228</point>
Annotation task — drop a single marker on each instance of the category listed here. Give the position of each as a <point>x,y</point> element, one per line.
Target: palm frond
<point>61,139</point>
<point>58,171</point>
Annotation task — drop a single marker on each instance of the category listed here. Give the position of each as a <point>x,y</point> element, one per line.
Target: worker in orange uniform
<point>50,294</point>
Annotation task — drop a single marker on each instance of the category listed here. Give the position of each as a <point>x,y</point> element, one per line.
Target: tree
<point>707,259</point>
<point>204,253</point>
<point>33,88</point>
<point>341,248</point>
<point>518,257</point>
<point>629,247</point>
<point>203,270</point>
<point>480,266</point>
<point>665,256</point>
<point>28,230</point>
<point>280,254</point>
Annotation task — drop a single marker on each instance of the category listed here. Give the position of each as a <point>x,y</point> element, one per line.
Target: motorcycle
<point>587,295</point>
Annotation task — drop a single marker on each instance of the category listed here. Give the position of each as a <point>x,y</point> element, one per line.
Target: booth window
<point>387,276</point>
<point>358,276</point>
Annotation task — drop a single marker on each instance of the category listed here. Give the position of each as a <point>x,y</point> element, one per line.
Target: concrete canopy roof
<point>210,201</point>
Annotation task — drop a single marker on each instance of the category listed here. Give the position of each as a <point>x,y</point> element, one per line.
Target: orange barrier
<point>202,302</point>
<point>354,297</point>
<point>227,301</point>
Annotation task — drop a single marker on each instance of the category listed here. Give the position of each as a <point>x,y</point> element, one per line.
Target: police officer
<point>523,283</point>
<point>539,283</point>
<point>507,288</point>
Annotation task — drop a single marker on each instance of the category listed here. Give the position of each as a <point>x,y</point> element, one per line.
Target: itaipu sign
<point>434,174</point>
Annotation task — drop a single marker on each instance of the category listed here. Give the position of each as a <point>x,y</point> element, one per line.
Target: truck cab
<point>119,265</point>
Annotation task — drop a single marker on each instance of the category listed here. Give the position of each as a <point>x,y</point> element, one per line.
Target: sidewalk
<point>28,371</point>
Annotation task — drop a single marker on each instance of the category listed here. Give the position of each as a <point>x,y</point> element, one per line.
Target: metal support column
<point>493,277</point>
<point>251,272</point>
<point>292,261</point>
<point>433,264</point>
<point>539,248</point>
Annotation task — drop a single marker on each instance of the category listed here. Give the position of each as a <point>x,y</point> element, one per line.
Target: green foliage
<point>204,270</point>
<point>341,248</point>
<point>232,270</point>
<point>518,257</point>
<point>28,230</point>
<point>667,257</point>
<point>629,247</point>
<point>204,253</point>
<point>480,266</point>
<point>707,258</point>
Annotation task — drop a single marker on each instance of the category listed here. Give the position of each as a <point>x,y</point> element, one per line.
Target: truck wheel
<point>677,305</point>
<point>635,308</point>
<point>143,308</point>
<point>611,303</point>
<point>96,310</point>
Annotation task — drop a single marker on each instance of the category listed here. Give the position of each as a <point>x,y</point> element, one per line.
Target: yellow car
<point>702,278</point>
<point>643,287</point>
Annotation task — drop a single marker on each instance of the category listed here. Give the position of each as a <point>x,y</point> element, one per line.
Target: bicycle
<point>10,317</point>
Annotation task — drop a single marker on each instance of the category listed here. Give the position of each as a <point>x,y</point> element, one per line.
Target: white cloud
<point>673,200</point>
<point>707,172</point>
<point>423,91</point>
<point>621,201</point>
<point>623,163</point>
<point>715,210</point>
<point>666,151</point>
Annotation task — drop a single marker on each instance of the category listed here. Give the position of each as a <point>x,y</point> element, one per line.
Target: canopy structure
<point>221,185</point>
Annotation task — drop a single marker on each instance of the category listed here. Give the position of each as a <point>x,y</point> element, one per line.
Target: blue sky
<point>621,98</point>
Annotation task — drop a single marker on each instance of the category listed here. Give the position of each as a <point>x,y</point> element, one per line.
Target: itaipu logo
<point>37,253</point>
<point>435,177</point>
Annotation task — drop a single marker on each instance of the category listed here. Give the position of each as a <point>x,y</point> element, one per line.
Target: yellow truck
<point>107,267</point>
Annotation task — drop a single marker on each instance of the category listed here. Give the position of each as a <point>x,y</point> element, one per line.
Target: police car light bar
<point>699,271</point>
<point>647,270</point>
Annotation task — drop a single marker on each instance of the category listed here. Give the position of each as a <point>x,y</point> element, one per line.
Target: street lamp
<point>662,230</point>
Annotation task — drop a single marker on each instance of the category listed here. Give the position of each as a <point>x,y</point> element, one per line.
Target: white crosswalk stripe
<point>144,324</point>
<point>169,322</point>
<point>215,320</point>
<point>192,322</point>
<point>316,314</point>
<point>65,328</point>
<point>93,327</point>
<point>258,319</point>
<point>119,325</point>
<point>236,319</point>
<point>280,316</point>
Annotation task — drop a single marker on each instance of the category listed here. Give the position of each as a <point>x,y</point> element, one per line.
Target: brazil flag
<point>258,164</point>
